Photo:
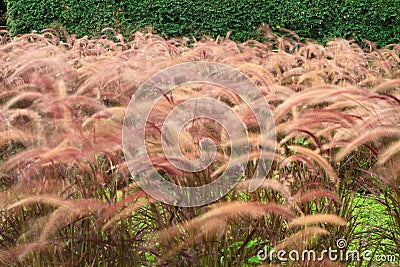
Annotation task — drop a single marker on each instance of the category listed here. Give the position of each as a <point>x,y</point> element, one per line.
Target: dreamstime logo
<point>339,254</point>
<point>144,102</point>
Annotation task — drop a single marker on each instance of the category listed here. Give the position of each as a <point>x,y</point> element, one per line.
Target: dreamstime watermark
<point>145,101</point>
<point>339,254</point>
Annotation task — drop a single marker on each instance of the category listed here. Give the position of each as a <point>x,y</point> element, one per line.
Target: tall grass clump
<point>67,197</point>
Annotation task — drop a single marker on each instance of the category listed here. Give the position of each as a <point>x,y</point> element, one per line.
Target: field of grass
<point>67,197</point>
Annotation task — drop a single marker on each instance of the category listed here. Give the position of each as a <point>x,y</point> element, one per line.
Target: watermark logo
<point>136,127</point>
<point>340,253</point>
<point>341,243</point>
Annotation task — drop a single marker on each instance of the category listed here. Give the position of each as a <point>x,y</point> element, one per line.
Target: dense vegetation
<point>374,20</point>
<point>3,9</point>
<point>67,198</point>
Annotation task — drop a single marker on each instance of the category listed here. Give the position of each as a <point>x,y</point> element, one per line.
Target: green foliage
<point>82,18</point>
<point>372,218</point>
<point>374,20</point>
<point>3,8</point>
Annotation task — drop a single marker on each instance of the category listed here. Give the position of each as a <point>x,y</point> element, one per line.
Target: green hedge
<point>2,13</point>
<point>375,20</point>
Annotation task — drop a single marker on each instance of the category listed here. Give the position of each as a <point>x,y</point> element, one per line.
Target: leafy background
<point>377,21</point>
